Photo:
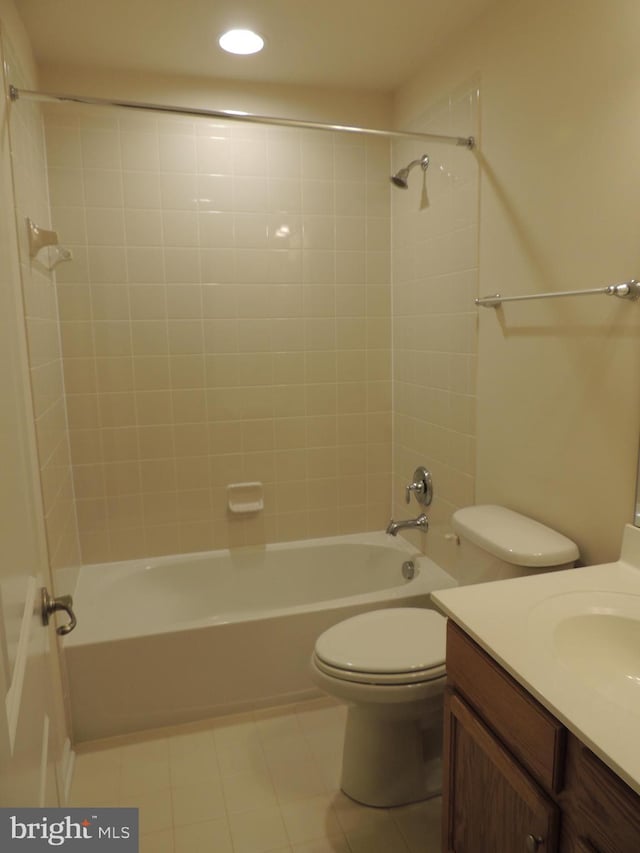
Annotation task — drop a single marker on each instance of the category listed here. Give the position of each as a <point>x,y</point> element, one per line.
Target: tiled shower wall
<point>226,318</point>
<point>41,319</point>
<point>435,279</point>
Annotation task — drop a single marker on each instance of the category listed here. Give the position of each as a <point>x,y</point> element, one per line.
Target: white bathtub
<point>173,639</point>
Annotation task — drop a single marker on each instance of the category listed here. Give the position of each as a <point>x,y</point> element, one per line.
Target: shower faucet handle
<point>421,486</point>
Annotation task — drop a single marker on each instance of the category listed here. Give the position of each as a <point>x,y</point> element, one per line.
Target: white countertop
<point>514,621</point>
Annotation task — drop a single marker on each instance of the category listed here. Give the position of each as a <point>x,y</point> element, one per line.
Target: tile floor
<point>249,783</point>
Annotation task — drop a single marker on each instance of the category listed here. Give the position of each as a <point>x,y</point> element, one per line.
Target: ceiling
<point>360,44</point>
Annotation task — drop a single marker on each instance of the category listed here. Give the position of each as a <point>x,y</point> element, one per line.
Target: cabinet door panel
<point>583,846</point>
<point>491,804</point>
<point>608,810</point>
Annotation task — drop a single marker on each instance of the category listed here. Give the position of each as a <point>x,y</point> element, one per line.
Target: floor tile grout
<point>286,758</point>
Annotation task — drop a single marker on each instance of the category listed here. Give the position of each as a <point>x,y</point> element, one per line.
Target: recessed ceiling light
<point>241,41</point>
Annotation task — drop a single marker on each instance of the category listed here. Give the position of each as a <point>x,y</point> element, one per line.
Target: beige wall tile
<point>112,339</point>
<point>83,411</point>
<point>192,473</point>
<point>190,439</point>
<point>151,373</point>
<point>119,444</point>
<point>94,546</point>
<point>74,302</point>
<point>155,442</point>
<point>116,409</point>
<point>225,437</point>
<point>128,544</point>
<point>114,374</point>
<point>124,512</point>
<point>88,481</point>
<point>122,478</point>
<point>258,435</point>
<point>149,338</point>
<point>434,342</point>
<point>185,337</point>
<point>194,506</point>
<point>109,303</point>
<point>189,405</point>
<point>92,514</point>
<point>79,375</point>
<point>187,371</point>
<point>148,302</point>
<point>197,536</point>
<point>215,344</point>
<point>160,508</point>
<point>77,339</point>
<point>226,469</point>
<point>322,431</point>
<point>85,446</point>
<point>161,538</point>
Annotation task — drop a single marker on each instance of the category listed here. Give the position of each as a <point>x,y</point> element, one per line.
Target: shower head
<point>401,177</point>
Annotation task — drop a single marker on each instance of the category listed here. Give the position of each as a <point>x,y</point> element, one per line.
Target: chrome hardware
<point>233,115</point>
<point>420,523</point>
<point>532,843</point>
<point>421,486</point>
<point>40,238</point>
<point>627,290</point>
<point>55,605</point>
<point>401,177</point>
<point>408,570</point>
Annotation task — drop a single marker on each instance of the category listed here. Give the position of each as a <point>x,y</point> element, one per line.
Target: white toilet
<point>389,665</point>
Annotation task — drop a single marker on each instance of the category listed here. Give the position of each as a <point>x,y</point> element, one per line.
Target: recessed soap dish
<point>245,497</point>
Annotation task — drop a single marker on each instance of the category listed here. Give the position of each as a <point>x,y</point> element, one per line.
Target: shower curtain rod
<point>231,115</point>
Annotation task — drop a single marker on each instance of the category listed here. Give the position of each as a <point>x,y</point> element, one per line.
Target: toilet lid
<point>393,641</point>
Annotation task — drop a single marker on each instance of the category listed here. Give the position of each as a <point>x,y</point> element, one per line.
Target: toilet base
<point>391,762</point>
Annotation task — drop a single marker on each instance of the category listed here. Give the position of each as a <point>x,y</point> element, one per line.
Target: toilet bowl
<point>389,665</point>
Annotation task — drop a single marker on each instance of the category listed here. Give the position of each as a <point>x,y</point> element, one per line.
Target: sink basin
<point>594,636</point>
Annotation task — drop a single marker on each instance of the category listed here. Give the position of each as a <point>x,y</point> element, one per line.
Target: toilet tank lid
<point>512,537</point>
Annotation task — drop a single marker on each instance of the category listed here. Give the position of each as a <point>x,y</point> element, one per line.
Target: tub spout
<point>419,523</point>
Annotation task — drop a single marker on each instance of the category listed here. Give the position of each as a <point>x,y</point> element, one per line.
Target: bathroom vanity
<point>515,778</point>
<point>542,712</point>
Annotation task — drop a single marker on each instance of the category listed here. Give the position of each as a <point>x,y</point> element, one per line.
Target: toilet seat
<point>418,677</point>
<point>403,645</point>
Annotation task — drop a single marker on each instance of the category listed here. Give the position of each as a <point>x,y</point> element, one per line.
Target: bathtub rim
<point>369,538</point>
<point>421,584</point>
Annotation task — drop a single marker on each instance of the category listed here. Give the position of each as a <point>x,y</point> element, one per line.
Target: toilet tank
<point>495,543</point>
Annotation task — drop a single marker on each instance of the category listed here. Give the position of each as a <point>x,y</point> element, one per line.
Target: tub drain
<point>408,570</point>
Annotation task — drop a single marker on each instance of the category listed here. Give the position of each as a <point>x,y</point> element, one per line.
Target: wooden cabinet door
<point>606,811</point>
<point>490,803</point>
<point>583,846</point>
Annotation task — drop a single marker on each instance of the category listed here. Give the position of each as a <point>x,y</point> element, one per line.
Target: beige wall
<point>307,103</point>
<point>226,318</point>
<point>558,396</point>
<point>15,34</point>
